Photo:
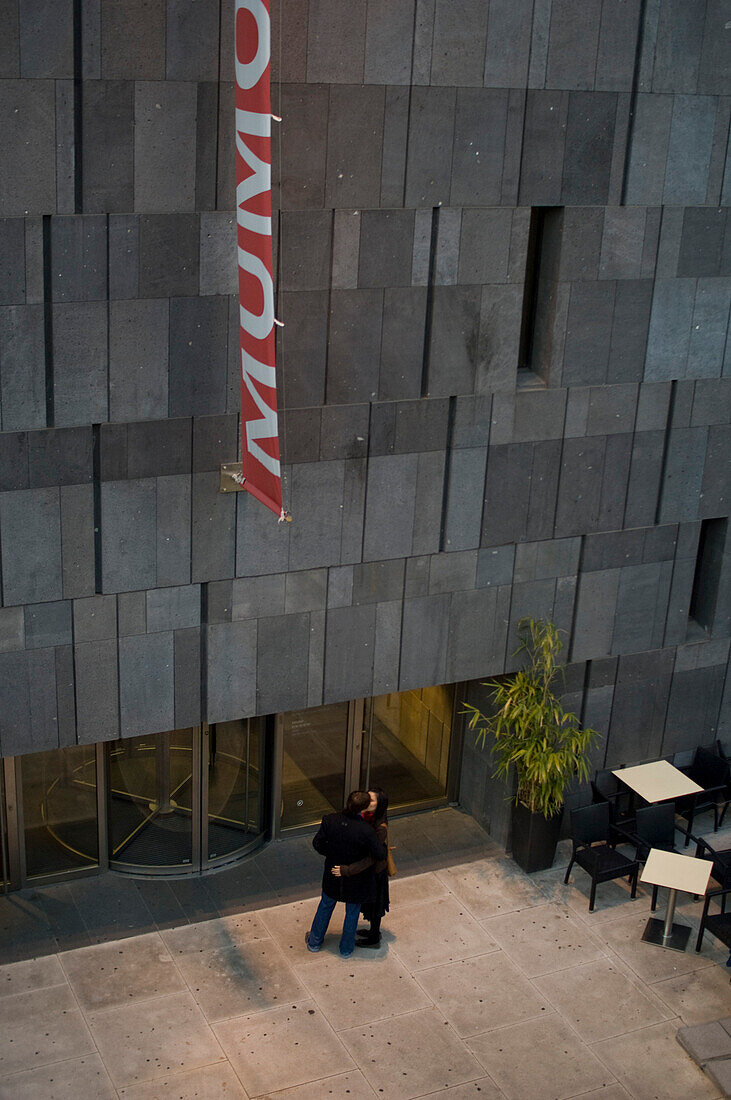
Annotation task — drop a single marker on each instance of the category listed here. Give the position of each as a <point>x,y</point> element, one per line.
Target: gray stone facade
<point>440,491</point>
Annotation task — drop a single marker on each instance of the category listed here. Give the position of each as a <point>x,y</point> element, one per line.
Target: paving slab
<point>719,1072</point>
<point>67,1080</point>
<point>613,898</point>
<point>275,1050</point>
<point>219,933</point>
<point>543,939</point>
<point>482,993</point>
<point>651,1064</point>
<point>238,980</point>
<point>600,999</point>
<point>438,932</point>
<point>411,1055</point>
<point>206,1083</point>
<point>649,962</point>
<point>482,1089</point>
<point>540,1058</point>
<point>705,1041</point>
<point>22,977</point>
<point>490,887</point>
<point>698,996</point>
<point>153,1038</point>
<point>39,1027</point>
<point>111,974</point>
<point>344,1086</point>
<point>415,888</point>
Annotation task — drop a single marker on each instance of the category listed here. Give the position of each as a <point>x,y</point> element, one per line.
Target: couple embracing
<point>355,846</point>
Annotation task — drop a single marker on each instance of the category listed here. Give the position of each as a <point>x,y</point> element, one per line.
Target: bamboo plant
<point>530,729</point>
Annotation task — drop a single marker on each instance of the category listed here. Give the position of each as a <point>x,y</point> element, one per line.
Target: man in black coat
<point>345,838</point>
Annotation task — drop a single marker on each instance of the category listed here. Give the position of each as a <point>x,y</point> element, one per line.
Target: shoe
<point>342,956</point>
<point>370,943</point>
<point>307,941</point>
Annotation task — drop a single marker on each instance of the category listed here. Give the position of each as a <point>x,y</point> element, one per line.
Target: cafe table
<point>675,872</point>
<point>657,781</point>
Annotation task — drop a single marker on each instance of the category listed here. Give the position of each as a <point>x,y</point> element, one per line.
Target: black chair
<point>721,872</point>
<point>605,787</point>
<point>711,773</point>
<point>593,837</point>
<point>718,924</point>
<point>654,828</point>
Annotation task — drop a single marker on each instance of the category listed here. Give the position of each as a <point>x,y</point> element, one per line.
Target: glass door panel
<point>406,744</point>
<point>233,777</point>
<point>313,765</point>
<point>151,789</point>
<point>59,810</point>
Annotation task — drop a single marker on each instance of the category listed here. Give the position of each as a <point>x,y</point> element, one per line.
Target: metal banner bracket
<point>232,478</point>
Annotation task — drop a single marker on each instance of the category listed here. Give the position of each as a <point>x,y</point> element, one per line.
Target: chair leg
<point>568,870</point>
<point>592,895</point>
<point>688,830</point>
<point>653,904</point>
<point>633,879</point>
<point>699,941</point>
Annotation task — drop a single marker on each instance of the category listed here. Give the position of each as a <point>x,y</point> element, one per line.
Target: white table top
<point>677,872</point>
<point>657,781</point>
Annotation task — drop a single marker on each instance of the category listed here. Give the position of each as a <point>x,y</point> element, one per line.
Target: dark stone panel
<point>218,253</point>
<point>30,533</point>
<point>539,415</point>
<point>305,590</point>
<point>386,246</point>
<point>124,258</point>
<point>158,448</point>
<point>648,152</point>
<point>428,503</point>
<point>513,146</point>
<point>581,243</point>
<point>65,696</point>
<point>15,733</point>
<point>340,586</point>
<point>589,143</point>
<point>292,17</point>
<point>46,39</point>
<point>306,249</point>
<point>471,425</point>
<point>507,492</point>
<point>254,597</point>
<point>9,43</point>
<point>395,133</point>
<point>12,629</point>
<point>708,344</point>
<point>499,339</point>
<point>714,489</point>
<point>580,486</point>
<point>382,428</point>
<point>97,691</point>
<point>484,248</point>
<point>615,60</point>
<point>508,21</point>
<point>349,649</point>
<point>146,684</point>
<point>424,640</point>
<point>226,165</point>
<point>572,43</point>
<point>644,480</point>
<point>302,440</point>
<point>316,499</point>
<point>198,355</point>
<point>702,241</point>
<point>477,635</point>
<point>611,409</point>
<point>429,155</point>
<point>386,647</point>
<point>48,624</point>
<point>187,673</point>
<point>421,425</point>
<point>623,241</point>
<point>378,582</point>
<point>206,141</point>
<point>214,530</point>
<point>343,431</point>
<point>689,149</point>
<point>28,170</point>
<point>354,140</point>
<point>642,598</point>
<point>630,323</point>
<point>128,535</point>
<point>543,148</point>
<point>219,601</point>
<point>669,333</point>
<point>214,441</point>
<point>95,618</point>
<point>336,41</point>
<point>388,44</point>
<point>544,479</point>
<point>354,487</point>
<point>495,566</point>
<point>402,342</point>
<point>305,316</point>
<point>683,474</point>
<point>231,671</point>
<point>454,340</point>
<point>80,370</point>
<point>615,478</point>
<point>113,447</point>
<point>262,545</point>
<point>12,261</point>
<point>138,359</point>
<point>42,702</point>
<point>479,141</point>
<point>678,47</point>
<point>165,114</point>
<point>77,540</point>
<point>588,333</point>
<point>713,69</point>
<point>693,707</point>
<point>389,519</point>
<point>173,529</point>
<point>355,344</point>
<point>133,40</point>
<point>173,608</point>
<point>281,672</point>
<point>595,611</point>
<point>132,613</point>
<point>452,572</point>
<point>60,456</point>
<point>613,550</point>
<point>638,712</point>
<point>458,45</point>
<point>22,367</point>
<point>168,250</point>
<point>108,147</point>
<point>304,145</point>
<point>417,577</point>
<point>191,40</point>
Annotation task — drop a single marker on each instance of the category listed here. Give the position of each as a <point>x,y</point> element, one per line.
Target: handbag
<point>390,864</point>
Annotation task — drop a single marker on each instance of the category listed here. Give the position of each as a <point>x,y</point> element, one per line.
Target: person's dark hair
<point>358,801</point>
<point>381,805</point>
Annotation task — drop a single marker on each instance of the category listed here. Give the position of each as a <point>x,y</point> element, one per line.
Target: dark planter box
<point>534,838</point>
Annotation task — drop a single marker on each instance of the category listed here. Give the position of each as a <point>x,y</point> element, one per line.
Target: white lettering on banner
<point>259,325</point>
<point>249,73</point>
<point>266,427</point>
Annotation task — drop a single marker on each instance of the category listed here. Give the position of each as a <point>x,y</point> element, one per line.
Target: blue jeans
<point>322,919</point>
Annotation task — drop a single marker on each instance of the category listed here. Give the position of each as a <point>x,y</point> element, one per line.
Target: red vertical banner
<point>261,470</point>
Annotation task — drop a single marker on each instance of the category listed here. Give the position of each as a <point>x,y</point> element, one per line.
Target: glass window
<point>234,786</point>
<point>150,800</point>
<point>60,810</point>
<point>313,766</point>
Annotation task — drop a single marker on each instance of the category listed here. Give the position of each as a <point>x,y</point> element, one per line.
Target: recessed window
<point>708,564</point>
<point>539,294</point>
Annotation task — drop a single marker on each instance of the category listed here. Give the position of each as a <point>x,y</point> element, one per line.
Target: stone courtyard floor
<point>489,983</point>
